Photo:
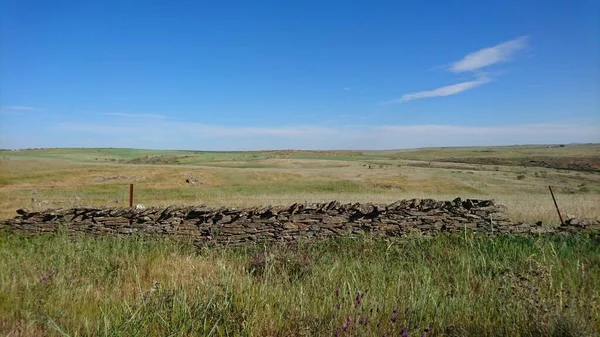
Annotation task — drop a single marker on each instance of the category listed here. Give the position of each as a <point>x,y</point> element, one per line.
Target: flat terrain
<point>516,176</point>
<point>460,285</point>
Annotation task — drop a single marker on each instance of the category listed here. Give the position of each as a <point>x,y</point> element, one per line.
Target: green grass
<point>458,286</point>
<point>100,177</point>
<point>507,154</point>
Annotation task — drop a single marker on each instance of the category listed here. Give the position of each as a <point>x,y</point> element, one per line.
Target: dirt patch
<point>102,179</point>
<point>432,185</point>
<point>588,163</point>
<point>155,160</point>
<point>286,153</point>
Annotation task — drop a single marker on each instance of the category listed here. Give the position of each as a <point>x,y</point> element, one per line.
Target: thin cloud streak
<point>443,91</point>
<point>197,136</point>
<point>534,129</point>
<point>485,57</point>
<point>473,62</point>
<point>97,128</point>
<point>196,129</point>
<point>19,107</point>
<point>129,115</point>
<point>203,130</point>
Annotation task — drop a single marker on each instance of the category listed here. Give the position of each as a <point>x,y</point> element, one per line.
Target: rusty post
<point>130,195</point>
<point>556,205</point>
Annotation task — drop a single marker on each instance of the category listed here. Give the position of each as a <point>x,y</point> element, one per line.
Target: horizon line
<point>301,150</point>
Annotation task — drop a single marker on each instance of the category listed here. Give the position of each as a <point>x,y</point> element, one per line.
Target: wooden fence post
<point>130,195</point>
<point>556,205</point>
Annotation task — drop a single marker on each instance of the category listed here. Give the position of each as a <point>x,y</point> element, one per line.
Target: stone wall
<point>286,223</point>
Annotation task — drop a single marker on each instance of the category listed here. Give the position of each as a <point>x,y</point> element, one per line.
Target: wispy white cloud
<point>485,57</point>
<point>471,131</point>
<point>16,110</point>
<point>130,115</point>
<point>473,62</point>
<point>19,107</point>
<point>347,89</point>
<point>97,128</point>
<point>443,91</point>
<point>237,131</point>
<point>178,135</point>
<point>195,129</point>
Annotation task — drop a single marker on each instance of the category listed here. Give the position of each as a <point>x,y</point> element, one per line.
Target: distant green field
<point>517,176</point>
<point>424,154</point>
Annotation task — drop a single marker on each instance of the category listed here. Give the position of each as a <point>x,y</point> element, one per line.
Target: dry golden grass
<point>238,181</point>
<point>61,285</point>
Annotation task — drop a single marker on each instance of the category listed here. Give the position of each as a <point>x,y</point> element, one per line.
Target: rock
<point>290,226</point>
<point>221,219</point>
<point>440,226</point>
<point>485,203</point>
<point>468,204</point>
<point>426,217</point>
<point>335,220</point>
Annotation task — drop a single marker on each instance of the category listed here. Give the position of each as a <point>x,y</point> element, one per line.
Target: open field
<point>448,285</point>
<point>74,177</point>
<point>461,285</point>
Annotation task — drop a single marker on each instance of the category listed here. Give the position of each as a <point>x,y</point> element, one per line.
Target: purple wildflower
<point>404,332</point>
<point>345,326</point>
<point>394,316</point>
<point>358,299</point>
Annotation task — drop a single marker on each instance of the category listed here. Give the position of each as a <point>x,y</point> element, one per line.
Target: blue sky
<point>244,75</point>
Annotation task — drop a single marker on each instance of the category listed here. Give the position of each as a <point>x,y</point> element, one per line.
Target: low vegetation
<point>54,178</point>
<point>461,285</point>
<point>56,285</point>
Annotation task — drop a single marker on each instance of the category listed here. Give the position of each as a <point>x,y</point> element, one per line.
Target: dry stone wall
<point>287,223</point>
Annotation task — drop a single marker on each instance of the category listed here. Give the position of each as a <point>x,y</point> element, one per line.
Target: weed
<point>291,263</point>
<point>453,285</point>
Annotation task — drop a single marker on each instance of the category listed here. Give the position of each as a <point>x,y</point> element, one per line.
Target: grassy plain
<point>465,285</point>
<point>516,176</point>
